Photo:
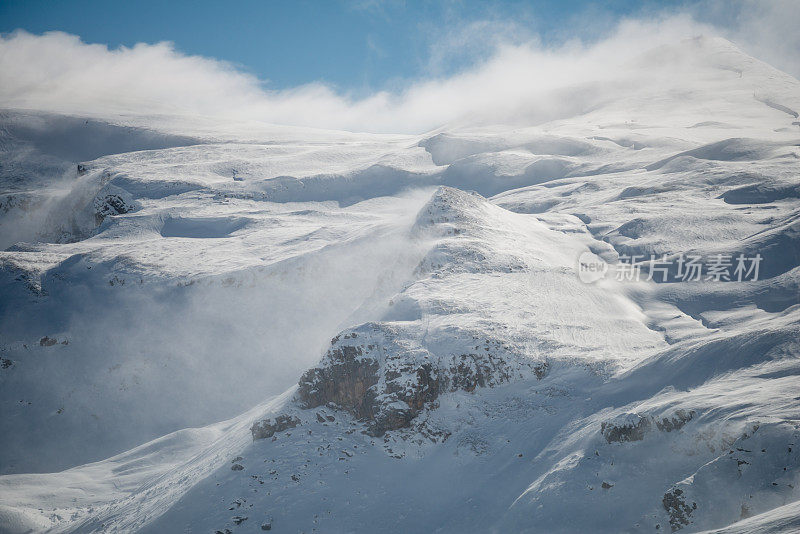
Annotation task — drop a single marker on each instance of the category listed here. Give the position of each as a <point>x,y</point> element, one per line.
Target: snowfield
<point>392,328</point>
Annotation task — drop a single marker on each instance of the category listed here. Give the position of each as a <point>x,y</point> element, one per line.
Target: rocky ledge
<point>386,381</point>
<point>634,426</point>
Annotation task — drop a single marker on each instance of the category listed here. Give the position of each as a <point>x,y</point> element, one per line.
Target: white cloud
<point>766,29</point>
<point>58,72</point>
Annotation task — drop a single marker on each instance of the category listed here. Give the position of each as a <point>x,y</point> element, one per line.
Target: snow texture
<point>392,327</point>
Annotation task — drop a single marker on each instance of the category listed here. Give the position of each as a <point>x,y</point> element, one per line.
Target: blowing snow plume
<point>235,336</point>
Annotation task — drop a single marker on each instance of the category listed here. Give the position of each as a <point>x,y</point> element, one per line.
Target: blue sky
<point>355,46</point>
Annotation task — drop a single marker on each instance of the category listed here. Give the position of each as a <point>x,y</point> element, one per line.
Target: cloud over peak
<point>60,73</point>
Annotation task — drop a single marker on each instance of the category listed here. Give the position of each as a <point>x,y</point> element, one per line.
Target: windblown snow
<point>392,328</point>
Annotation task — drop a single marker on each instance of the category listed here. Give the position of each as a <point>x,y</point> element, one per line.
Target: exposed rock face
<point>627,427</point>
<point>676,422</point>
<point>47,341</point>
<point>112,200</point>
<point>634,426</point>
<point>347,381</point>
<point>266,428</point>
<point>680,512</point>
<point>386,381</point>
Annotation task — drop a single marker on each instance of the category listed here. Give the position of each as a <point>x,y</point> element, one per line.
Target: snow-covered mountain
<point>396,329</point>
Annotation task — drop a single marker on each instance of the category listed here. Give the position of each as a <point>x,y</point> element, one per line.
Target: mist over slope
<point>393,327</point>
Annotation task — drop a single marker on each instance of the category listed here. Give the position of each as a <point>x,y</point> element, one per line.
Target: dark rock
<point>239,519</point>
<point>346,382</point>
<point>628,427</point>
<point>47,341</point>
<point>679,511</point>
<point>633,426</point>
<point>267,428</point>
<point>668,424</point>
<point>237,467</point>
<point>385,384</point>
<point>110,205</point>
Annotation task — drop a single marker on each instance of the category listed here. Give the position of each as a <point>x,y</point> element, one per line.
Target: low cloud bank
<point>58,72</point>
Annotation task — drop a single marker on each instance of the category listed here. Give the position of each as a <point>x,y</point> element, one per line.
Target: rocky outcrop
<point>386,381</point>
<point>266,428</point>
<point>675,422</point>
<point>627,427</point>
<point>634,426</point>
<point>47,341</point>
<point>680,511</point>
<point>113,201</point>
<point>346,381</point>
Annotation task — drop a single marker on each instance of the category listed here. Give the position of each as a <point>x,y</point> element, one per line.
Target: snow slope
<point>163,273</point>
